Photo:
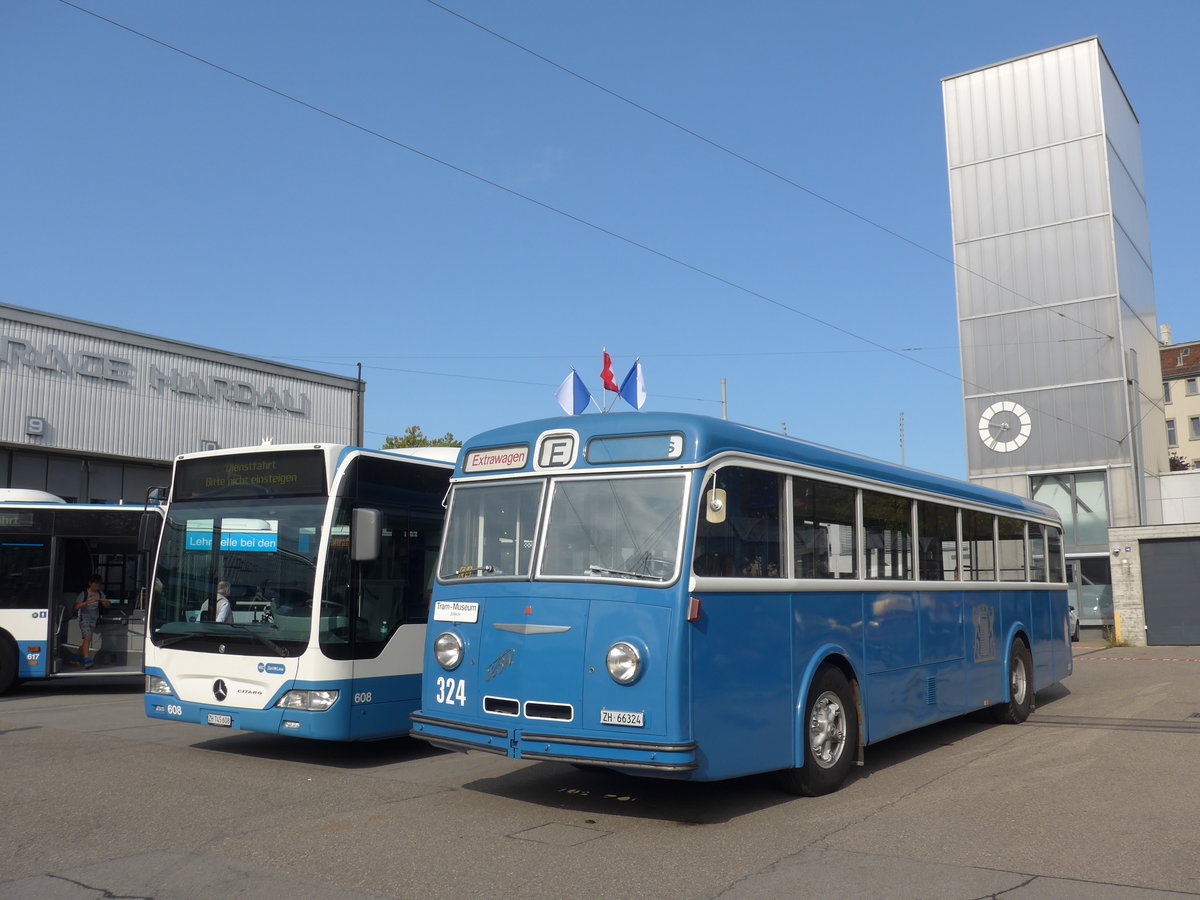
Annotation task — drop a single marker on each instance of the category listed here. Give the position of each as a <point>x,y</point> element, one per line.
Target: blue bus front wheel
<point>830,735</point>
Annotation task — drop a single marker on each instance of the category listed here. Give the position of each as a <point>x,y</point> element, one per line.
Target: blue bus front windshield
<point>597,527</point>
<point>267,554</point>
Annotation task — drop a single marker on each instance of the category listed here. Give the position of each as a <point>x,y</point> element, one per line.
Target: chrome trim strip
<point>526,628</point>
<point>457,726</point>
<point>458,746</point>
<point>608,744</point>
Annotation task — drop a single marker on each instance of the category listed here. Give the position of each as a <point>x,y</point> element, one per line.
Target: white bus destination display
<point>294,473</point>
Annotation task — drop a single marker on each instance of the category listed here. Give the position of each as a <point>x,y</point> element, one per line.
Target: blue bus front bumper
<point>633,755</point>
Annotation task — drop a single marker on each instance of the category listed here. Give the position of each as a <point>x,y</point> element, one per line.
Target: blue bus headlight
<point>156,685</point>
<point>310,701</point>
<point>448,650</point>
<point>624,663</point>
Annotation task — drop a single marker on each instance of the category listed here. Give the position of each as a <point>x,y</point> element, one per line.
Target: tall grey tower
<point>1057,326</point>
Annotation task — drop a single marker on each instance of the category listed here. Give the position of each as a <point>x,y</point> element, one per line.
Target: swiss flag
<point>606,375</point>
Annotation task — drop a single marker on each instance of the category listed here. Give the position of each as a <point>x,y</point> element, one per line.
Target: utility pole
<point>901,438</point>
<point>724,404</point>
<point>359,432</point>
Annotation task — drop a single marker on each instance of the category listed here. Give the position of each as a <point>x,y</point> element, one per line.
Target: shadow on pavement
<point>335,754</point>
<point>605,792</point>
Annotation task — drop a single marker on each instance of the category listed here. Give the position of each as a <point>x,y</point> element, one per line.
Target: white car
<point>1073,623</point>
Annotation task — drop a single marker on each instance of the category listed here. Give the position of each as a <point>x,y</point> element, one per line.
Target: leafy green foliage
<point>414,437</point>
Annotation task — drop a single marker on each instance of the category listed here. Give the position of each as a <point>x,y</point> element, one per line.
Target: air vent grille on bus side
<point>501,706</point>
<point>561,712</point>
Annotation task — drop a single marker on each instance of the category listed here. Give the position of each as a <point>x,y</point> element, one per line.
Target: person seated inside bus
<point>87,608</point>
<point>224,607</point>
<point>219,611</point>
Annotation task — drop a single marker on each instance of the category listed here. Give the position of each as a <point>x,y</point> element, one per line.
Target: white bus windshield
<point>266,555</point>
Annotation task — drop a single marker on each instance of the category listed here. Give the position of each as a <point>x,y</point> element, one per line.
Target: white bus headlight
<point>624,663</point>
<point>448,650</point>
<point>310,701</point>
<point>156,685</point>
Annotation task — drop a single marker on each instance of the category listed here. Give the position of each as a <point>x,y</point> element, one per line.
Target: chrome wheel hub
<point>827,730</point>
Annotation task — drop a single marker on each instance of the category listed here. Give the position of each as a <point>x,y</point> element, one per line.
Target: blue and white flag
<point>572,396</point>
<point>633,388</point>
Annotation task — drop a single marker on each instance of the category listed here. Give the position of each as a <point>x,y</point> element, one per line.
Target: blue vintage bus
<point>681,596</point>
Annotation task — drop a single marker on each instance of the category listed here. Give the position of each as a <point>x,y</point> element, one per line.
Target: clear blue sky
<point>147,190</point>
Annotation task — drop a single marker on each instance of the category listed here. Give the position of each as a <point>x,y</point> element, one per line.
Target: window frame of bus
<point>191,475</point>
<point>542,540</point>
<point>33,530</point>
<point>992,534</point>
<point>368,480</point>
<point>675,446</point>
<point>463,488</point>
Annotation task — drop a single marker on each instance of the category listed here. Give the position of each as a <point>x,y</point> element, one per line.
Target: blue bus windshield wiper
<point>594,569</point>
<point>468,571</point>
<point>179,638</point>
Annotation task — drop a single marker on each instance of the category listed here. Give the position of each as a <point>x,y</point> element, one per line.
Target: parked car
<point>1073,623</point>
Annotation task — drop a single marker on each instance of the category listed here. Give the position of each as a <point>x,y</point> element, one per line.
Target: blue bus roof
<point>706,437</point>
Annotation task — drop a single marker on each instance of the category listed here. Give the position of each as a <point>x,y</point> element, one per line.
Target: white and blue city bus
<point>327,556</point>
<point>680,596</point>
<point>49,549</point>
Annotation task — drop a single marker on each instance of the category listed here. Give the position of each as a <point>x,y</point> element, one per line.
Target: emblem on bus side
<point>502,662</point>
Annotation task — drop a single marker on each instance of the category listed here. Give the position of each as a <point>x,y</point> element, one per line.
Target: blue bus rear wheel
<point>1020,687</point>
<point>830,735</point>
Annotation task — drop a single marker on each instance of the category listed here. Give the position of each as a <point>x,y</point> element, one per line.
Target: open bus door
<point>118,639</point>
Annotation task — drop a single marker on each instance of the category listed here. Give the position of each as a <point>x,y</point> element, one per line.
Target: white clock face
<point>1004,426</point>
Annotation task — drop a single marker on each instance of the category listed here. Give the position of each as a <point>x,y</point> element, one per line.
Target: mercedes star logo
<point>219,690</point>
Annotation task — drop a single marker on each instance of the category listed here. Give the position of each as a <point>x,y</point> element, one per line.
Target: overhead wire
<point>651,354</point>
<point>757,165</point>
<point>585,222</point>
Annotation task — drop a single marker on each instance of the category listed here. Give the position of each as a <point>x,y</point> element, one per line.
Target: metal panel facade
<point>1054,284</point>
<point>69,385</point>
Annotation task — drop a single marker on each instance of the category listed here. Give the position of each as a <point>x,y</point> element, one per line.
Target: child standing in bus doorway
<point>87,607</point>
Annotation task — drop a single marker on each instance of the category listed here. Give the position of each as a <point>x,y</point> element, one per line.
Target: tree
<point>414,437</point>
<point>1178,463</point>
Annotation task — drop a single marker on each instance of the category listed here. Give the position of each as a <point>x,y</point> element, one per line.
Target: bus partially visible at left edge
<point>292,587</point>
<point>49,550</point>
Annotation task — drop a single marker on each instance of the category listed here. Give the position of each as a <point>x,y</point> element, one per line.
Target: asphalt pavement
<point>1094,797</point>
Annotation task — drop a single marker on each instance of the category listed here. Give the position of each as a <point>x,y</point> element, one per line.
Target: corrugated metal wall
<point>106,396</point>
<point>1051,235</point>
